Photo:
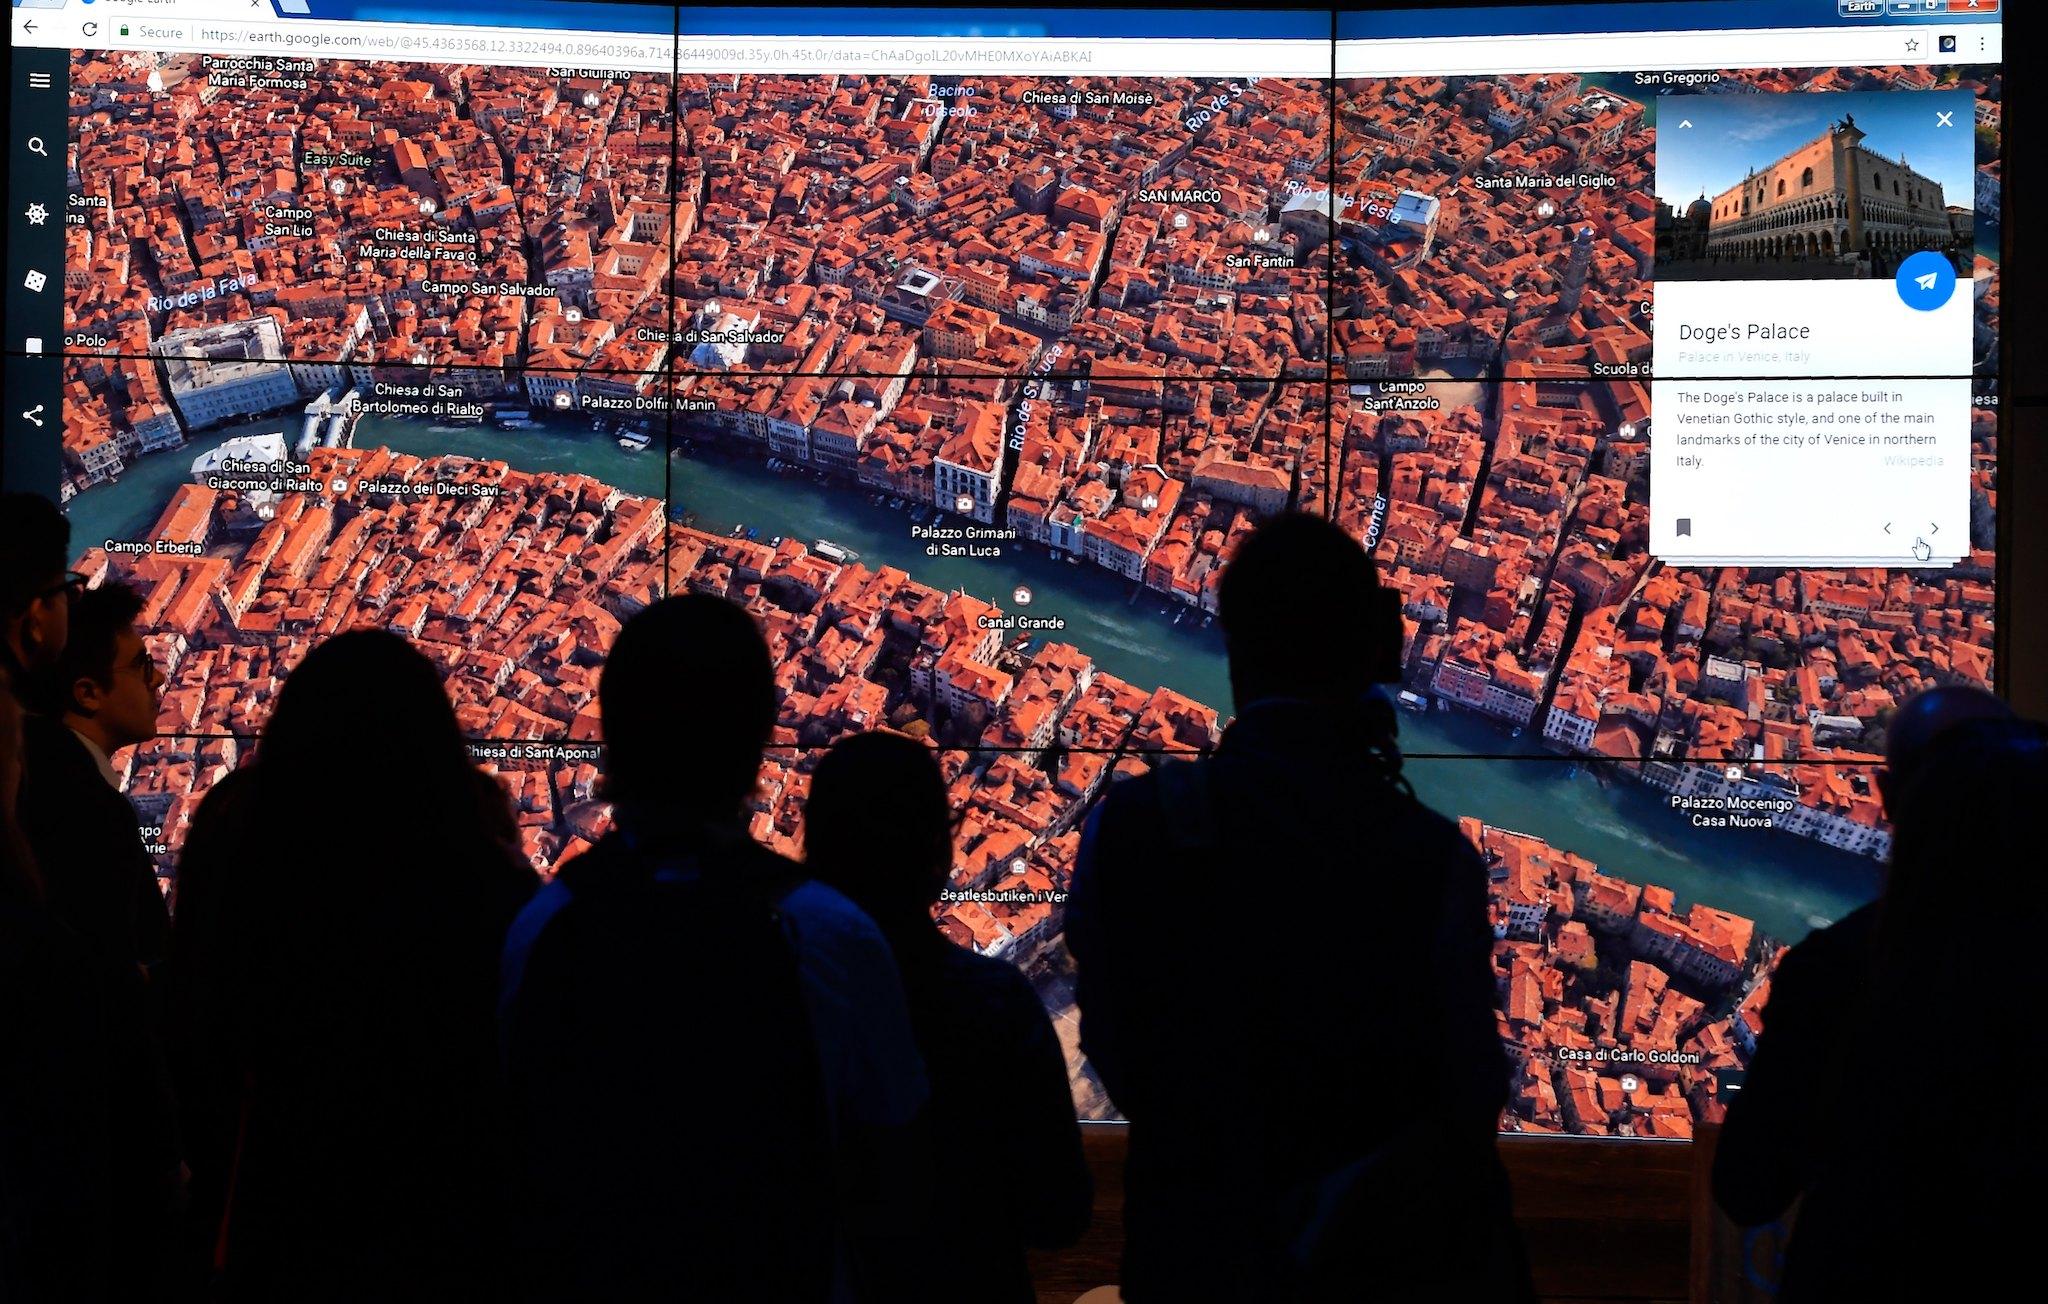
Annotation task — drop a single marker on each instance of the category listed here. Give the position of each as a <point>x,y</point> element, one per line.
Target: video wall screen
<point>1657,366</point>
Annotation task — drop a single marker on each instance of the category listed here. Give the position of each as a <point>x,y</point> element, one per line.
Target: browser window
<point>1650,348</point>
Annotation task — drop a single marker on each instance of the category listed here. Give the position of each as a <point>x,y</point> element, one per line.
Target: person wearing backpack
<point>1314,1079</point>
<point>716,1088</point>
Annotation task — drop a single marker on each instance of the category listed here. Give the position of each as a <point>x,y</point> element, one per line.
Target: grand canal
<point>1460,763</point>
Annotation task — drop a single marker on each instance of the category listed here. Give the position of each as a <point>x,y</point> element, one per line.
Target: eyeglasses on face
<point>73,586</point>
<point>142,663</point>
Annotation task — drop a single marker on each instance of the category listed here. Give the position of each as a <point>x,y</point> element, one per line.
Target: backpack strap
<point>589,875</point>
<point>553,898</point>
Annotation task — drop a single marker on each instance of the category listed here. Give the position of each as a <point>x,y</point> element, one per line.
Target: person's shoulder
<point>1442,832</point>
<point>63,794</point>
<point>984,1003</point>
<point>594,862</point>
<point>508,877</point>
<point>41,730</point>
<point>216,863</point>
<point>822,913</point>
<point>1135,800</point>
<point>49,750</point>
<point>1854,931</point>
<point>997,979</point>
<point>547,903</point>
<point>232,789</point>
<point>1136,790</point>
<point>778,872</point>
<point>1000,988</point>
<point>1841,948</point>
<point>1113,829</point>
<point>1427,831</point>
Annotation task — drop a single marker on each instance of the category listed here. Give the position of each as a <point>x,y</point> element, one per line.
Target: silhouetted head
<point>35,597</point>
<point>877,827</point>
<point>1921,722</point>
<point>688,699</point>
<point>105,684</point>
<point>1304,615</point>
<point>362,735</point>
<point>363,872</point>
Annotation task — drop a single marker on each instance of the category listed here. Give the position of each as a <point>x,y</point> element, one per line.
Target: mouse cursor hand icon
<point>1922,550</point>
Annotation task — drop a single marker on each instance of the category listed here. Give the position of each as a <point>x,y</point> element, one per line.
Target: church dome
<point>1699,210</point>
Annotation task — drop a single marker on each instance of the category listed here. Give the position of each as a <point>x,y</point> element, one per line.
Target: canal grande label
<point>1021,622</point>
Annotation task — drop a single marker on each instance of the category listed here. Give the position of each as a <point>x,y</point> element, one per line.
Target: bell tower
<point>1846,136</point>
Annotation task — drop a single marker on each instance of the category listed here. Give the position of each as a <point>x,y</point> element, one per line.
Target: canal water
<point>1458,762</point>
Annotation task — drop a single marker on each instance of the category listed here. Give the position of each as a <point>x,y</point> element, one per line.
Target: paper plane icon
<point>1927,282</point>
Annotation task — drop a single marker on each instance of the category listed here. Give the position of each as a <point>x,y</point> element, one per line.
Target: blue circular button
<point>1926,280</point>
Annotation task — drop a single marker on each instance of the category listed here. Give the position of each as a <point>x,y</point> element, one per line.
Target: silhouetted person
<point>17,879</point>
<point>342,902</point>
<point>44,1026</point>
<point>1817,1080</point>
<point>1312,1073</point>
<point>69,1039</point>
<point>876,827</point>
<point>714,1067</point>
<point>87,838</point>
<point>98,698</point>
<point>36,591</point>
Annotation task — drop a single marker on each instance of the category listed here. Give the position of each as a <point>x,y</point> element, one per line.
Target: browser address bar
<point>824,54</point>
<point>620,51</point>
<point>632,52</point>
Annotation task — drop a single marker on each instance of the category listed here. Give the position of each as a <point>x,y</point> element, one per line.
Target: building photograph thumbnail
<point>1814,187</point>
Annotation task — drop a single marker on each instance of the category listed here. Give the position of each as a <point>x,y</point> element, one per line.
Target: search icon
<point>35,146</point>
